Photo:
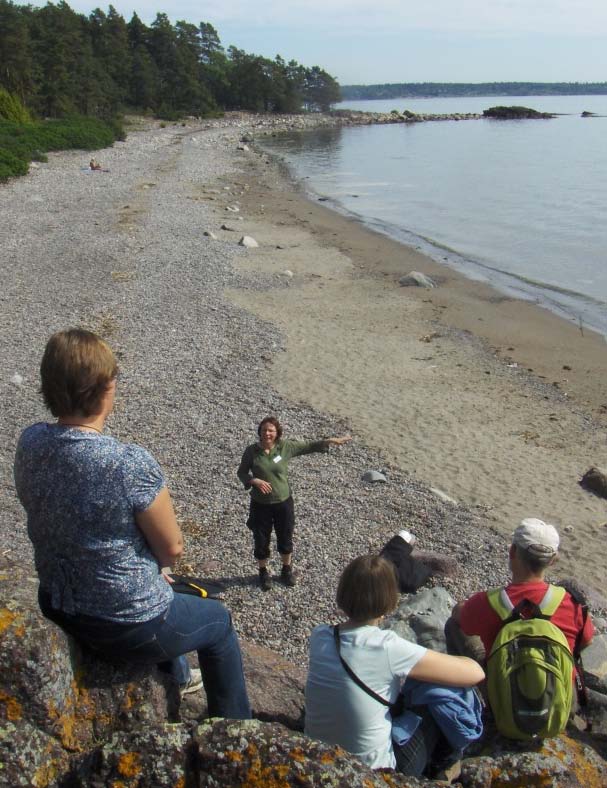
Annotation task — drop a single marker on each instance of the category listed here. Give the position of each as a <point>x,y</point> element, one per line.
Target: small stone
<point>443,496</point>
<point>247,241</point>
<point>17,379</point>
<point>288,274</point>
<point>228,228</point>
<point>373,476</point>
<point>209,234</point>
<point>232,208</point>
<point>416,279</point>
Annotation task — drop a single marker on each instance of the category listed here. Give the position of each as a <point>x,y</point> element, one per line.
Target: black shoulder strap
<point>352,674</point>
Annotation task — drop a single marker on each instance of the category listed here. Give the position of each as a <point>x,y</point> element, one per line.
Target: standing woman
<point>102,525</point>
<point>263,471</point>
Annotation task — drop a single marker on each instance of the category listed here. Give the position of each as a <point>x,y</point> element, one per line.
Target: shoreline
<point>529,374</point>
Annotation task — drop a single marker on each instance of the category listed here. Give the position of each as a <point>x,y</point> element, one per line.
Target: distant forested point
<point>58,63</point>
<point>459,89</point>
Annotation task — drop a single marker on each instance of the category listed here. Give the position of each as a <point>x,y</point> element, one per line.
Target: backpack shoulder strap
<point>552,599</point>
<point>500,602</point>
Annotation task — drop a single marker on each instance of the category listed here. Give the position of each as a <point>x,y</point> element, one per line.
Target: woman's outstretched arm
<point>444,669</point>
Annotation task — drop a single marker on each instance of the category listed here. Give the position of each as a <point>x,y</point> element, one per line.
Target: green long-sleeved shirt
<point>272,467</point>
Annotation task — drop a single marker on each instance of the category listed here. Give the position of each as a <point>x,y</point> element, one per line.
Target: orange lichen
<point>6,618</point>
<point>180,783</point>
<point>297,754</point>
<point>327,757</point>
<point>259,776</point>
<point>129,764</point>
<point>586,773</point>
<point>233,755</point>
<point>251,750</point>
<point>14,710</point>
<point>129,700</point>
<point>46,775</point>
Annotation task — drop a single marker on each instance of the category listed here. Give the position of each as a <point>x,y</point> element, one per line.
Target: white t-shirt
<point>338,711</point>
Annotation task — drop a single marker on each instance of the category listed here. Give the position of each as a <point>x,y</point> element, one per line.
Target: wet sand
<point>497,402</point>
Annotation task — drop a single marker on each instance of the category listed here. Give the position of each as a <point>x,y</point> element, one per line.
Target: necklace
<point>86,426</point>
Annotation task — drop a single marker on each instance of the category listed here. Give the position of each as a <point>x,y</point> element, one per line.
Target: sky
<point>377,41</point>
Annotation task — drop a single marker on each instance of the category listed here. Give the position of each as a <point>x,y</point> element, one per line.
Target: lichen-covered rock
<point>30,757</point>
<point>562,762</point>
<point>252,754</point>
<point>56,698</point>
<point>157,758</point>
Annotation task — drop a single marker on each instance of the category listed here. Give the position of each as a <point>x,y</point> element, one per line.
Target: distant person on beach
<point>102,525</point>
<point>340,711</point>
<point>263,471</point>
<point>94,164</point>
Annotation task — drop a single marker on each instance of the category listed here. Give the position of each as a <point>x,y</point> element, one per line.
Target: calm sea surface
<point>520,204</point>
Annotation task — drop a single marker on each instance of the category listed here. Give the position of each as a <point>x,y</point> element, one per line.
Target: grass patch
<point>21,143</point>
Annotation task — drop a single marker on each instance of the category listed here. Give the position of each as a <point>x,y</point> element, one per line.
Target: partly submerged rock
<point>416,279</point>
<point>210,235</point>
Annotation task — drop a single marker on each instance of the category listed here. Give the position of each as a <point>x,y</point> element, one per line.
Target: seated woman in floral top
<point>102,524</point>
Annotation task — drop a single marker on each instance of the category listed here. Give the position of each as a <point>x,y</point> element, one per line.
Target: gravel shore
<point>123,253</point>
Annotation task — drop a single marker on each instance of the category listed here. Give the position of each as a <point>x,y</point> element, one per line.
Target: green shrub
<point>21,143</point>
<point>12,109</point>
<point>11,165</point>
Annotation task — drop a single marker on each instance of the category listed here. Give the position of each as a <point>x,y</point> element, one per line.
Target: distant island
<point>459,89</point>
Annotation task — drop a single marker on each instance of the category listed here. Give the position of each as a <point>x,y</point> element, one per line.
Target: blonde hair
<point>76,369</point>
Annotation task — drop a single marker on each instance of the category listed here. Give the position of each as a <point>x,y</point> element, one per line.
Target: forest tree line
<point>59,62</point>
<point>458,89</point>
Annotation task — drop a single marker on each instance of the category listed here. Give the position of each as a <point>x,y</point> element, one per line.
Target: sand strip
<point>496,401</point>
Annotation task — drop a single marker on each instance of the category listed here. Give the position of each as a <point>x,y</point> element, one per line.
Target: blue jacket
<point>456,711</point>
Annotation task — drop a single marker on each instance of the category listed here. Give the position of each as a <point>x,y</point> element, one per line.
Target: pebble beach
<point>212,336</point>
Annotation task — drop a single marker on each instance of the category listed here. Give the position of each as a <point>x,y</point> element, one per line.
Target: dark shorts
<point>265,517</point>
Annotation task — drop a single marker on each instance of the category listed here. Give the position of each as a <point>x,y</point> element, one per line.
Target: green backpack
<point>530,668</point>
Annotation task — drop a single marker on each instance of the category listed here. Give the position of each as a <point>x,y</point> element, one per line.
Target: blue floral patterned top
<point>81,491</point>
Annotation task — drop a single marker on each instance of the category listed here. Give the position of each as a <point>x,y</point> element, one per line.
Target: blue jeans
<point>190,624</point>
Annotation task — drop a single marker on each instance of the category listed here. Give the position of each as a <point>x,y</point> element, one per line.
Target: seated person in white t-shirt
<point>340,712</point>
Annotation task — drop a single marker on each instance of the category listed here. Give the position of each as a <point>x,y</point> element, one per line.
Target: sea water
<point>520,204</point>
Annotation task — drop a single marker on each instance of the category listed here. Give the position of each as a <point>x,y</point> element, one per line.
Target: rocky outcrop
<point>57,700</point>
<point>515,113</point>
<point>72,721</point>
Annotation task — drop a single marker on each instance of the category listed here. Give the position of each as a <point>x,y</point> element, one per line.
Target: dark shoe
<point>287,576</point>
<point>265,579</point>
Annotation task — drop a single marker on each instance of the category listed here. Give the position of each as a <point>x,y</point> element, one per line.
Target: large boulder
<point>56,698</point>
<point>562,762</point>
<point>421,617</point>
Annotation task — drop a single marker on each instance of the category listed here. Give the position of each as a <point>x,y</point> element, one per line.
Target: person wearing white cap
<point>533,550</point>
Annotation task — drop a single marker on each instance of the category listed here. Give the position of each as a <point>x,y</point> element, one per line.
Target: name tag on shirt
<point>278,458</point>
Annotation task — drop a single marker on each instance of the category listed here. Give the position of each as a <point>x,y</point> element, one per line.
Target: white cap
<point>536,537</point>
